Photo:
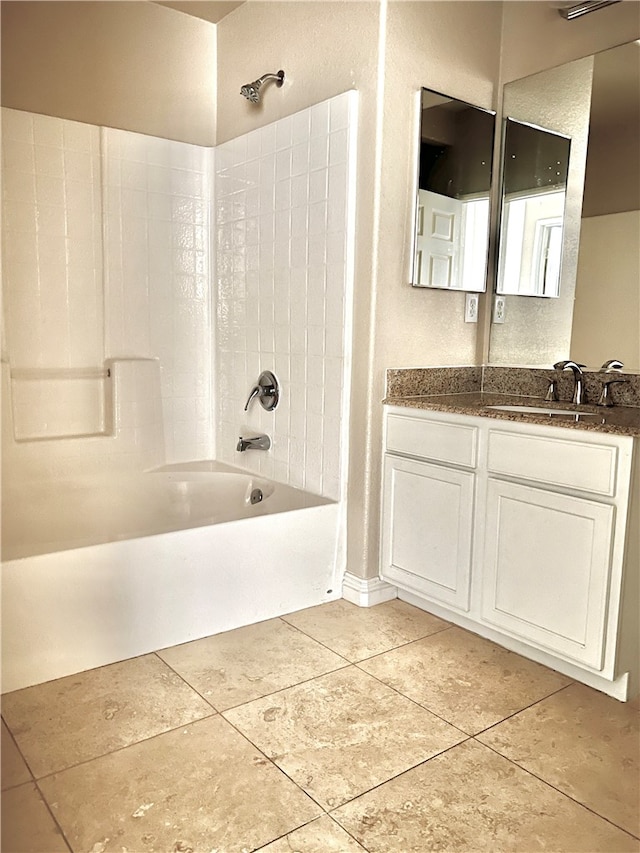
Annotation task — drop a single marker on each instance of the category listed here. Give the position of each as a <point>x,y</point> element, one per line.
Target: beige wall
<point>130,65</point>
<point>606,322</point>
<point>536,37</point>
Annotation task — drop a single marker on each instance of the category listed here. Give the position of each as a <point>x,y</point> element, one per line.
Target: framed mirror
<point>451,238</point>
<point>594,102</point>
<point>534,189</point>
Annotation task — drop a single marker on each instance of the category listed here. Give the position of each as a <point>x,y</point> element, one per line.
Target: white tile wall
<point>284,237</point>
<point>72,300</point>
<point>52,242</point>
<point>157,203</point>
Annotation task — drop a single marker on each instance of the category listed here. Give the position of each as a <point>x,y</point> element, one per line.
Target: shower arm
<point>279,78</point>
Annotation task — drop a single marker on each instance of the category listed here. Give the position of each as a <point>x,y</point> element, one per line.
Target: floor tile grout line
<point>126,746</point>
<point>376,654</point>
<point>184,681</point>
<point>397,776</point>
<point>522,710</point>
<point>361,793</point>
<point>289,687</point>
<point>53,817</point>
<point>349,833</point>
<point>21,754</point>
<point>408,643</point>
<point>308,823</point>
<point>414,701</point>
<point>559,790</point>
<point>277,767</point>
<point>320,643</point>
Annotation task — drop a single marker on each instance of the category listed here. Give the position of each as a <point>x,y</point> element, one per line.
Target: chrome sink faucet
<point>578,379</point>
<point>256,442</point>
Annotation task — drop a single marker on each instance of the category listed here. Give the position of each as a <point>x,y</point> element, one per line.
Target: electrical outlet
<point>499,309</point>
<point>471,308</point>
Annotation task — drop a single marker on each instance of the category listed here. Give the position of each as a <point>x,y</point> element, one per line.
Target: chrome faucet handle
<point>256,391</point>
<point>552,391</point>
<point>605,396</point>
<point>611,365</point>
<point>266,390</point>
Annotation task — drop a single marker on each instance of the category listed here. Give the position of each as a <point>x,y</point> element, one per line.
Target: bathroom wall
<point>535,36</point>
<point>157,196</point>
<point>284,257</point>
<point>601,324</point>
<point>132,65</point>
<point>105,257</point>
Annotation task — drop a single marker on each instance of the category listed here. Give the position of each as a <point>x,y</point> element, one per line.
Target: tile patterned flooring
<point>336,729</point>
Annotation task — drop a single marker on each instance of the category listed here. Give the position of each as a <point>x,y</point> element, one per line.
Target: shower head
<point>251,91</point>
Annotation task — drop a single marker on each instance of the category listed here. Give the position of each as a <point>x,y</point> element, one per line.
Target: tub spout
<point>256,442</point>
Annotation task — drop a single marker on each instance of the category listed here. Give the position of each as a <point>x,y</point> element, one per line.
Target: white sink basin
<point>539,410</point>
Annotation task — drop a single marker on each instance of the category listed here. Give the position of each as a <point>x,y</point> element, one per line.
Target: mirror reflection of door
<point>452,206</point>
<point>536,163</point>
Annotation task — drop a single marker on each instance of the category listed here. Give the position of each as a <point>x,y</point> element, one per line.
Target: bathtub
<point>98,570</point>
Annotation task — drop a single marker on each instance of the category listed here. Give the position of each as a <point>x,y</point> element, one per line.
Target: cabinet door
<point>427,524</point>
<point>546,569</point>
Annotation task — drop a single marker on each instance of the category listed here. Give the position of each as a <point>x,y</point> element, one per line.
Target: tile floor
<point>332,730</point>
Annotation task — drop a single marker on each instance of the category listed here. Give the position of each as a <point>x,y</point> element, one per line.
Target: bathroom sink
<point>540,410</point>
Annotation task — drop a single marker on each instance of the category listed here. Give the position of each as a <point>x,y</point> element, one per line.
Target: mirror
<point>534,186</point>
<point>451,237</point>
<point>595,103</point>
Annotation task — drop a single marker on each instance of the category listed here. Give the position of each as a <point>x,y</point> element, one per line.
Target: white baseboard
<point>367,592</point>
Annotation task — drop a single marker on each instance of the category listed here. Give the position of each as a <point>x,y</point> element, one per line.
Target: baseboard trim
<point>367,592</point>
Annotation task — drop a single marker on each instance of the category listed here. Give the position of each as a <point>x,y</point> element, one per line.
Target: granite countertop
<point>619,420</point>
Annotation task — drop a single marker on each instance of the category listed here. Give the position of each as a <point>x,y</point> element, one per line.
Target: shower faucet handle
<point>266,390</point>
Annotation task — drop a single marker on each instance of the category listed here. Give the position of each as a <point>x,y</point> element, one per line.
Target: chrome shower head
<point>251,91</point>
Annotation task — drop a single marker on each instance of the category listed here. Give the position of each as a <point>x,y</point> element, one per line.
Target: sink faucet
<point>578,380</point>
<point>256,442</point>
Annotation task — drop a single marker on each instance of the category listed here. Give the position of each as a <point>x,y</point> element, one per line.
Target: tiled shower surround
<point>106,237</point>
<point>284,220</point>
<point>111,239</point>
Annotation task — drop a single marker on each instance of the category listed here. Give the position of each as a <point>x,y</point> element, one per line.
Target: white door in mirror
<point>438,240</point>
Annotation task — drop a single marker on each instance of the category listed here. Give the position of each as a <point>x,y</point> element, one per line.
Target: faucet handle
<point>611,365</point>
<point>256,391</point>
<point>605,396</point>
<point>552,391</point>
<point>266,390</point>
<point>569,365</point>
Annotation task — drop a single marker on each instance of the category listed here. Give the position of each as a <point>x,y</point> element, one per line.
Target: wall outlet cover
<point>471,308</point>
<point>499,309</point>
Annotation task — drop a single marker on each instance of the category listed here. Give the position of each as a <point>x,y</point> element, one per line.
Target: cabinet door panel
<point>427,523</point>
<point>546,569</point>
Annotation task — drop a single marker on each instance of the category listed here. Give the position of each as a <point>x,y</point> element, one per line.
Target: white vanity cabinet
<point>429,506</point>
<point>520,532</point>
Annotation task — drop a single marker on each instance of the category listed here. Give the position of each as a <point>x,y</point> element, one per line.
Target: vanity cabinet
<point>546,569</point>
<point>519,532</point>
<point>428,539</point>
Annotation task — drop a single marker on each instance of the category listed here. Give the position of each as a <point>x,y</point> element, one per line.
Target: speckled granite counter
<point>424,388</point>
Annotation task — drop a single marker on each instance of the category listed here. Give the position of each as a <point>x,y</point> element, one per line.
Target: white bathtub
<point>99,570</point>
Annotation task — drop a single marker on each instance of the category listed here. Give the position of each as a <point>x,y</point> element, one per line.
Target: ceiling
<point>208,10</point>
